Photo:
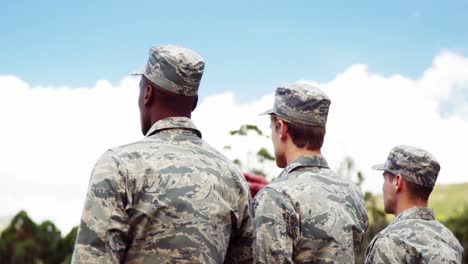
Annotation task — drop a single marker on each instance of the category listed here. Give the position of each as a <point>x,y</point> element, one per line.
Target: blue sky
<point>250,46</point>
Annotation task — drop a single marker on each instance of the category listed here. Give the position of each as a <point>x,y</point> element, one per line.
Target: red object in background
<point>255,182</point>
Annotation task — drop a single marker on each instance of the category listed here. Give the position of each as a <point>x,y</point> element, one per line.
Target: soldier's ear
<point>283,129</point>
<point>398,183</point>
<point>148,94</point>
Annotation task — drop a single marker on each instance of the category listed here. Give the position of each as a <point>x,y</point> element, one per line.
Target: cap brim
<point>379,167</point>
<point>140,71</point>
<point>268,112</point>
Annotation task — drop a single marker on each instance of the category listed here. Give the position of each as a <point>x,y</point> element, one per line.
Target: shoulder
<point>384,249</point>
<point>133,150</point>
<point>272,208</point>
<point>271,201</point>
<point>118,156</point>
<point>445,235</point>
<point>271,192</point>
<point>323,177</point>
<point>382,239</point>
<point>321,185</point>
<point>163,146</point>
<point>398,231</point>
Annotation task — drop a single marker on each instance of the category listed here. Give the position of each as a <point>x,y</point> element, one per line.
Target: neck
<point>163,115</point>
<point>406,204</point>
<point>294,153</point>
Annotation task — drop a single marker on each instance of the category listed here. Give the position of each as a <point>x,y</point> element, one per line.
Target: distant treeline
<point>24,241</point>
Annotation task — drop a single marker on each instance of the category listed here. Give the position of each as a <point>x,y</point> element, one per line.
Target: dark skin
<point>156,103</point>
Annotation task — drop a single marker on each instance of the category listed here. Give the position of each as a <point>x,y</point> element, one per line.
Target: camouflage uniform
<point>169,198</point>
<point>414,236</point>
<point>308,214</point>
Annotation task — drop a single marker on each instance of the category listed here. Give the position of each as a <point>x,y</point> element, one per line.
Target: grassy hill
<point>449,199</point>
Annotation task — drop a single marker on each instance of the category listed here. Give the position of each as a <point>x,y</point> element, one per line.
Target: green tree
<point>262,155</point>
<point>25,242</point>
<point>244,129</point>
<point>458,224</point>
<point>18,241</point>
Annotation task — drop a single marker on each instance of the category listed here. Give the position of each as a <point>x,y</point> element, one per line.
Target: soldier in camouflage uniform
<point>413,236</point>
<point>309,214</point>
<point>170,197</point>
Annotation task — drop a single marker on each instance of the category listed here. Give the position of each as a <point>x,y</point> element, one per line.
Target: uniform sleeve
<point>384,250</point>
<point>103,232</point>
<point>241,245</point>
<point>276,227</point>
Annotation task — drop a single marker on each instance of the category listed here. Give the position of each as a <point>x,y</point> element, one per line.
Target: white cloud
<point>219,114</point>
<point>372,113</point>
<point>51,136</point>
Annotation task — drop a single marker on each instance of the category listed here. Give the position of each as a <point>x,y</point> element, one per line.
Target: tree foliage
<point>458,224</point>
<point>23,241</point>
<point>244,129</point>
<point>263,156</point>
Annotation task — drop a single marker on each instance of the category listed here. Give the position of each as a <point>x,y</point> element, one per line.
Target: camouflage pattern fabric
<point>414,236</point>
<point>301,103</point>
<point>174,68</point>
<point>415,165</point>
<point>309,215</point>
<point>169,198</point>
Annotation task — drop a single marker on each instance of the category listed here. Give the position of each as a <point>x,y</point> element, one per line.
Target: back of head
<point>169,83</point>
<point>304,136</point>
<point>305,110</point>
<point>171,103</point>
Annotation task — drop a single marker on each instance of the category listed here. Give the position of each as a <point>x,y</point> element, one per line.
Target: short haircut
<point>174,102</point>
<point>304,136</point>
<point>416,191</point>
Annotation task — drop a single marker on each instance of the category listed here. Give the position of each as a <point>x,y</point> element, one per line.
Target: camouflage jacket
<point>169,198</point>
<point>414,236</point>
<point>309,215</point>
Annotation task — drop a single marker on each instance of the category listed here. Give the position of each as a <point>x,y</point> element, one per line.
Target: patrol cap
<point>301,103</point>
<point>413,164</point>
<point>174,68</point>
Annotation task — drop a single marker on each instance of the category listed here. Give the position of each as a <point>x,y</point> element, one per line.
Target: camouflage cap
<point>174,68</point>
<point>413,164</point>
<point>301,103</point>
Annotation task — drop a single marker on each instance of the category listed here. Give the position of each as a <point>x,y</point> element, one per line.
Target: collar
<point>424,213</point>
<point>305,161</point>
<point>177,122</point>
